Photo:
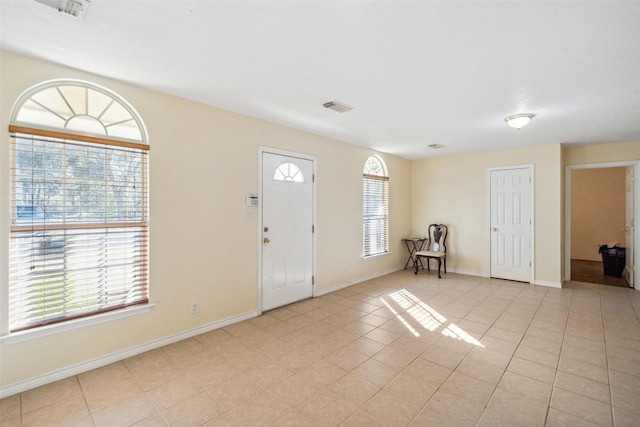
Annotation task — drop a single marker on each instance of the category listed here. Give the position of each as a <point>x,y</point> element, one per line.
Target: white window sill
<point>367,257</point>
<point>43,331</point>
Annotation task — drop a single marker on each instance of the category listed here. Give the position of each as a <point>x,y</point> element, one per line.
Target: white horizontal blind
<point>79,231</point>
<point>375,214</point>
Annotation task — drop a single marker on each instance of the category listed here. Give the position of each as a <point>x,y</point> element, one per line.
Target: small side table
<point>413,245</point>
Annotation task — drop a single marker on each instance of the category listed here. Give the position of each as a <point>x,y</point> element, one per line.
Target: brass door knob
<point>266,240</point>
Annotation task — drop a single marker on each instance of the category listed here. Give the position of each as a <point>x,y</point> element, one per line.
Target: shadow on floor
<point>592,272</point>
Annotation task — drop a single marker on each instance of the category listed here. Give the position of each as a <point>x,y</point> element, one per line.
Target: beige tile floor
<point>401,350</point>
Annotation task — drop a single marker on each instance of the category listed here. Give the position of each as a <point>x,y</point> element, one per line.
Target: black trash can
<point>613,260</point>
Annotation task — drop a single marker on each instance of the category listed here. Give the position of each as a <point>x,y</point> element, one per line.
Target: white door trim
<point>532,254</point>
<point>567,210</point>
<point>261,150</point>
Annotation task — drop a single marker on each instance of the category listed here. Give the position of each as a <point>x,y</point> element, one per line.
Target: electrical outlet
<point>194,307</point>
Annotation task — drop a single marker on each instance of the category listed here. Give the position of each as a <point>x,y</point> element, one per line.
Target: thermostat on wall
<point>252,200</point>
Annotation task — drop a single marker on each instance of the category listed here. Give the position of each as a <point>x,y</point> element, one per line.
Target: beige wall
<point>454,190</point>
<point>600,153</point>
<point>597,210</point>
<point>203,160</point>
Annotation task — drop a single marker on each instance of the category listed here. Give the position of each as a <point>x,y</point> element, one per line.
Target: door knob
<point>494,229</point>
<point>266,240</point>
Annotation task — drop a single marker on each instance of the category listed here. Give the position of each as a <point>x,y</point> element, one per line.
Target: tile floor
<point>401,350</point>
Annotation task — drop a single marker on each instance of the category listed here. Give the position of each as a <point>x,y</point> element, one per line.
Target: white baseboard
<point>334,288</point>
<point>535,282</point>
<point>117,356</point>
<point>464,272</point>
<point>107,359</point>
<point>548,284</point>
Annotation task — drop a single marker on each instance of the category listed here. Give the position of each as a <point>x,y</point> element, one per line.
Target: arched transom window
<point>74,106</point>
<point>288,172</point>
<point>375,166</point>
<point>375,207</point>
<point>79,199</point>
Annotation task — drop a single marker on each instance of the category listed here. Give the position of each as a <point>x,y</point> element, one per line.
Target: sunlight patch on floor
<point>400,318</point>
<point>454,331</point>
<point>428,318</point>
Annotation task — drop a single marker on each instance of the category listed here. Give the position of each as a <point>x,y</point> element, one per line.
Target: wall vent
<point>75,8</point>
<point>337,106</point>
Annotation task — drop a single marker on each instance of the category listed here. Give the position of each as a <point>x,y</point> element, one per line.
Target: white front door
<point>629,229</point>
<point>511,216</point>
<point>287,229</point>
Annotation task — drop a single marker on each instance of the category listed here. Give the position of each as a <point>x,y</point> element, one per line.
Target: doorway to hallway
<point>600,210</point>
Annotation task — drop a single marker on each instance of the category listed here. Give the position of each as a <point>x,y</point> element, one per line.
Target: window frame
<point>64,138</point>
<point>375,208</point>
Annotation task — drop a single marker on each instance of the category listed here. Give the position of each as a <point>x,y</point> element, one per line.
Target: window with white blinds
<point>79,220</point>
<point>375,208</point>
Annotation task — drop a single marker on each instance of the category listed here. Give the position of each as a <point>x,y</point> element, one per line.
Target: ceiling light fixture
<point>519,120</point>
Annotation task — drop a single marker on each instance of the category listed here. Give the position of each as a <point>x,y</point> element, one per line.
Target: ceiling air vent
<point>436,146</point>
<point>76,8</point>
<point>337,106</point>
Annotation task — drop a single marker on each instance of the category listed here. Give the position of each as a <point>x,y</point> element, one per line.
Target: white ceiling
<point>416,72</point>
